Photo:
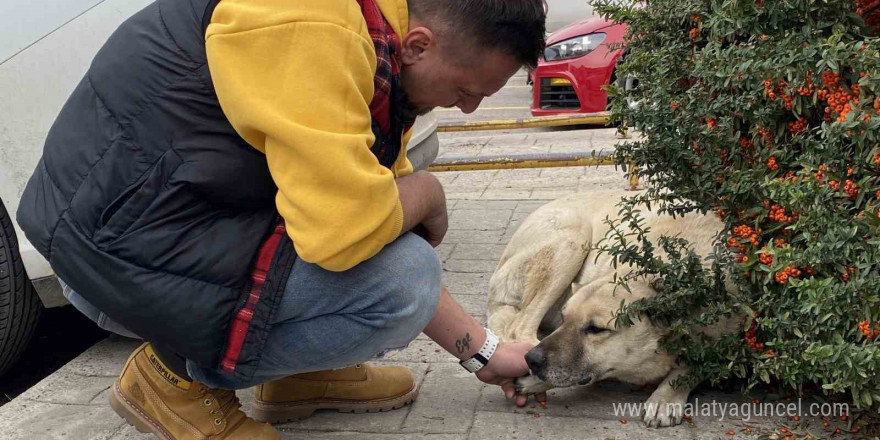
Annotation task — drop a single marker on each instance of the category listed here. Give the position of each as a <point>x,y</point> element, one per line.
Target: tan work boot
<point>153,399</point>
<point>356,389</point>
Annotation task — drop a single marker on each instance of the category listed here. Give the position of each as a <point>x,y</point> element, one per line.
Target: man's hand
<point>508,363</point>
<point>424,206</point>
<point>433,227</point>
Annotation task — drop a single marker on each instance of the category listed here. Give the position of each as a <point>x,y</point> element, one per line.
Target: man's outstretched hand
<point>508,363</point>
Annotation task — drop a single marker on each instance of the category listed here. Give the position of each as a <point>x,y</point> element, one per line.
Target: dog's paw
<point>663,409</point>
<point>530,385</point>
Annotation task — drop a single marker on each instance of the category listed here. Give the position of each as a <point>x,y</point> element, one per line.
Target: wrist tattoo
<point>464,343</point>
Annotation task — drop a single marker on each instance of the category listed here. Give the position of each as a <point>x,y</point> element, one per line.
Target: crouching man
<point>229,182</point>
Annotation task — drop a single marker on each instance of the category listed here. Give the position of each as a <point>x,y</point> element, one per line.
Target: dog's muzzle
<point>536,359</point>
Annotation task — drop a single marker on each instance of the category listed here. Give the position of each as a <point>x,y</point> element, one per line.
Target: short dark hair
<point>515,27</point>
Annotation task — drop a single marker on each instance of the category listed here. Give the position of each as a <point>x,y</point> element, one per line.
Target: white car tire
<point>20,306</point>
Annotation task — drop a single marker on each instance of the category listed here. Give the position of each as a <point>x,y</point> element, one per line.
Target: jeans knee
<point>417,286</point>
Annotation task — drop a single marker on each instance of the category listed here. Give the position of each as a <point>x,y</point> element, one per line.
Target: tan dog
<point>549,282</point>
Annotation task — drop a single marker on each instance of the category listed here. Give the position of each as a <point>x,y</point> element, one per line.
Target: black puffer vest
<point>148,203</point>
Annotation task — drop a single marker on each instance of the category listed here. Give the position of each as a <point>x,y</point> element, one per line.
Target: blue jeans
<point>336,319</point>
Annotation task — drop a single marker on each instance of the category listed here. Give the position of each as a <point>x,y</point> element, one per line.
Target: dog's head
<point>588,348</point>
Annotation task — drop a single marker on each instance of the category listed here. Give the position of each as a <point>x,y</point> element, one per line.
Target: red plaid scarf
<point>388,104</point>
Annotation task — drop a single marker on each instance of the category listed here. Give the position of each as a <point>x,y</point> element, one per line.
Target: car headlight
<point>574,47</point>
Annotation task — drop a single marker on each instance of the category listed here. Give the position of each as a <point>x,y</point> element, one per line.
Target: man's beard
<point>411,111</point>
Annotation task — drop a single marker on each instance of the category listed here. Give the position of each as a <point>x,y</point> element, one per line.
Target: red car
<point>576,65</point>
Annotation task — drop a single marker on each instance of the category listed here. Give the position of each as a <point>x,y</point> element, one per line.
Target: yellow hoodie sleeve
<point>299,91</point>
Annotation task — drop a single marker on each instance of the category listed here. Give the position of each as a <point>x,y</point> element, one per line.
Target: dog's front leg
<point>666,405</point>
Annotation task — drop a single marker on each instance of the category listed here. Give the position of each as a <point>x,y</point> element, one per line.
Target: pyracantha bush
<point>764,113</point>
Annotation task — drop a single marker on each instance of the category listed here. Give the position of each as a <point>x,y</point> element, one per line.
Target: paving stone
<point>446,401</point>
<point>527,207</point>
<point>444,250</point>
<point>470,251</point>
<point>506,426</point>
<point>465,195</point>
<point>457,236</point>
<point>481,220</point>
<point>130,433</point>
<point>519,173</point>
<point>602,178</point>
<point>470,266</point>
<point>486,204</point>
<point>506,194</point>
<point>105,358</point>
<point>479,177</point>
<point>64,387</point>
<point>446,178</point>
<point>563,172</point>
<point>467,283</point>
<point>552,194</point>
<point>422,351</point>
<point>328,420</point>
<point>596,402</point>
<point>25,419</point>
<point>473,304</point>
<point>548,182</point>
<point>315,435</point>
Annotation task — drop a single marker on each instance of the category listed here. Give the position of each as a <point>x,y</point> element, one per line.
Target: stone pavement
<point>485,209</point>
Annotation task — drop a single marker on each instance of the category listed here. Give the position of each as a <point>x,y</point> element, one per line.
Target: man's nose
<point>536,359</point>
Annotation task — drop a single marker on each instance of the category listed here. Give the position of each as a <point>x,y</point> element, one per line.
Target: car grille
<point>558,95</point>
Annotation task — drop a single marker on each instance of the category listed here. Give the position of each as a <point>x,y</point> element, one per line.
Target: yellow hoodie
<point>295,79</point>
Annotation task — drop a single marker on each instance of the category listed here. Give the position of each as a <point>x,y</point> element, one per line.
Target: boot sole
<point>290,412</point>
<point>135,416</point>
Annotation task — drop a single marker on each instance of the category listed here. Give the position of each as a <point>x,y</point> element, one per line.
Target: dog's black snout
<point>536,359</point>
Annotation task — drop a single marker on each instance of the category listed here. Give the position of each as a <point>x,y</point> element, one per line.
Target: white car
<point>45,48</point>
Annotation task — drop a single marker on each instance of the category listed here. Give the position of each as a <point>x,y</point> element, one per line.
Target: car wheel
<point>20,306</point>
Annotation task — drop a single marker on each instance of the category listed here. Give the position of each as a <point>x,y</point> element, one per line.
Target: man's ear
<point>415,43</point>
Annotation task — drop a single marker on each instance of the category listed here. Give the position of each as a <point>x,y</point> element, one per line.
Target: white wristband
<point>481,358</point>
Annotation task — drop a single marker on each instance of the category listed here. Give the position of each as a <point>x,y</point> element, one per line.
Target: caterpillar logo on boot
<point>172,378</point>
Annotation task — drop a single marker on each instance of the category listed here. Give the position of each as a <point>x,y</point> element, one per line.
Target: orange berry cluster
<point>779,242</point>
<point>877,159</point>
<point>789,176</point>
<point>830,79</point>
<point>694,33</point>
<point>771,163</point>
<point>783,275</point>
<point>746,143</point>
<point>820,175</point>
<point>673,105</point>
<point>746,231</point>
<point>865,327</point>
<point>846,275</point>
<point>851,189</point>
<point>764,133</point>
<point>797,127</point>
<point>752,340</point>
<point>777,213</point>
<point>766,259</point>
<point>808,88</point>
<point>840,100</point>
<point>711,122</point>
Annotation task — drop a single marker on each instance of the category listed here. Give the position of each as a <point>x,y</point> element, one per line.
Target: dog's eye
<point>592,329</point>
